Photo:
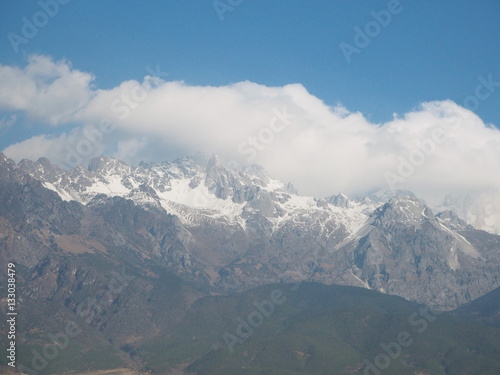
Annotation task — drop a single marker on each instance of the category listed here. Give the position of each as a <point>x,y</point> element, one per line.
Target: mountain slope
<point>404,249</point>
<point>317,329</point>
<point>485,309</point>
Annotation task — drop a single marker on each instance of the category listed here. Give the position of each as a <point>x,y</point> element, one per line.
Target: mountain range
<point>195,237</point>
<point>232,229</point>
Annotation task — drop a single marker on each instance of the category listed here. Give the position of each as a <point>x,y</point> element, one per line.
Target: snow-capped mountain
<point>198,189</point>
<point>195,187</point>
<point>403,243</point>
<point>232,229</point>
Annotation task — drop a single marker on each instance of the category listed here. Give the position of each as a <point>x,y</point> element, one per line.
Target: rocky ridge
<point>233,229</point>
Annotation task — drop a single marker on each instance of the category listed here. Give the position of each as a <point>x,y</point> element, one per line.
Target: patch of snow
<point>65,196</point>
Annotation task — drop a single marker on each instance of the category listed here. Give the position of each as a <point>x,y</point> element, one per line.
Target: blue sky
<point>428,51</point>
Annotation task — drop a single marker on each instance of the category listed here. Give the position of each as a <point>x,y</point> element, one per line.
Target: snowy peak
<point>198,187</point>
<point>6,163</point>
<point>199,190</point>
<point>224,183</point>
<point>214,162</point>
<point>340,200</point>
<point>452,221</point>
<point>405,210</point>
<point>106,165</point>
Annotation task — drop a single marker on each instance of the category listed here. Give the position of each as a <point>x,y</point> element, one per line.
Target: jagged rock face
<point>453,221</point>
<point>228,230</point>
<point>340,200</point>
<point>407,251</point>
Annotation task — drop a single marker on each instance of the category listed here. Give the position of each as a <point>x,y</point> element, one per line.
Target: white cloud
<point>129,147</point>
<point>45,90</point>
<point>37,147</point>
<point>322,150</point>
<point>66,150</point>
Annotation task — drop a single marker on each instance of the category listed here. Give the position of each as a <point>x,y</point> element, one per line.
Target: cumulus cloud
<point>37,147</point>
<point>45,90</point>
<point>65,150</point>
<point>437,148</point>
